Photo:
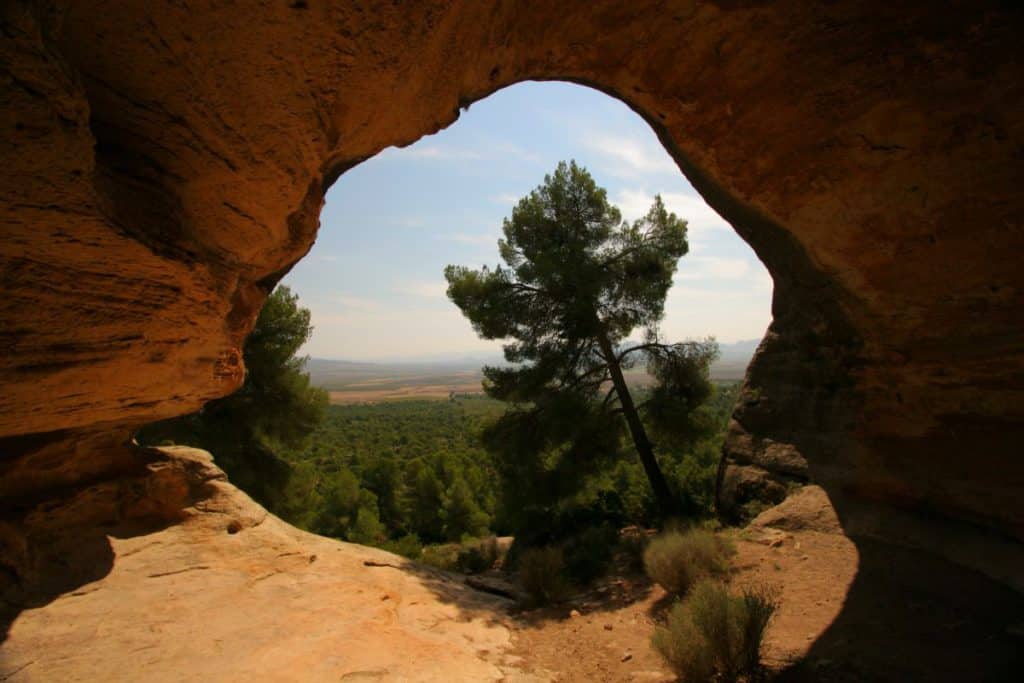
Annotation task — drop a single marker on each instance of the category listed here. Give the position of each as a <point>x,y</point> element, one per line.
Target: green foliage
<point>577,282</point>
<point>275,409</point>
<point>588,553</point>
<point>715,633</point>
<point>367,529</point>
<point>423,465</point>
<point>460,511</point>
<point>384,473</point>
<point>406,546</point>
<point>683,647</point>
<point>676,560</point>
<point>632,544</point>
<point>541,575</point>
<point>443,556</point>
<point>478,556</point>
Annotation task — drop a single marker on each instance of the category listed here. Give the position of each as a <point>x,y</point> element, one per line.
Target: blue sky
<point>374,281</point>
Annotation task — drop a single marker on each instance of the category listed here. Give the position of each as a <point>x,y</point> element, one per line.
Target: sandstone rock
<point>808,509</point>
<point>202,603</point>
<point>163,165</point>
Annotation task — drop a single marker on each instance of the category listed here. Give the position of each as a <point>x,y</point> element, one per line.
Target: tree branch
<point>642,347</point>
<point>626,252</point>
<point>608,396</point>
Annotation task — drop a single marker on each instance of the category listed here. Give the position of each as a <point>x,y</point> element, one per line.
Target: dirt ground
<point>411,392</point>
<point>849,612</point>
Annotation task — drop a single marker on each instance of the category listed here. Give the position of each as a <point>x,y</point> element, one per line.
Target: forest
<point>406,473</point>
<point>560,444</point>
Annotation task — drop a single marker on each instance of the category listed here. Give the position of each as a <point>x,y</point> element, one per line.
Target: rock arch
<point>163,166</point>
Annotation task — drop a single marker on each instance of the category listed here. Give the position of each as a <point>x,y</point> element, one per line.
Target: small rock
<point>608,627</point>
<point>575,613</point>
<point>628,656</point>
<point>775,542</point>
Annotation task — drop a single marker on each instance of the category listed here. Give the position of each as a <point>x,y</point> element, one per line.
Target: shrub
<point>368,529</point>
<point>443,556</point>
<point>588,553</point>
<point>676,560</point>
<point>478,556</point>
<point>632,544</point>
<point>406,546</point>
<point>760,605</point>
<point>682,647</point>
<point>716,632</point>
<point>540,573</point>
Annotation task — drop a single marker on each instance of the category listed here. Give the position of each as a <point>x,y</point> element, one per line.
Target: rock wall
<point>163,164</point>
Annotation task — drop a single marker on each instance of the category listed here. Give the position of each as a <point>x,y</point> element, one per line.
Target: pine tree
<point>577,282</point>
<point>275,410</point>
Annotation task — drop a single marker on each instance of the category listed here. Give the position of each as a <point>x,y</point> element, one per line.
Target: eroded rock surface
<point>163,164</point>
<point>231,593</point>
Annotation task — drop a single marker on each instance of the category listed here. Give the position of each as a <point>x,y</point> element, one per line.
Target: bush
<point>479,556</point>
<point>682,647</point>
<point>368,529</point>
<point>443,556</point>
<point>760,605</point>
<point>632,544</point>
<point>676,560</point>
<point>406,546</point>
<point>716,632</point>
<point>540,573</point>
<point>588,553</point>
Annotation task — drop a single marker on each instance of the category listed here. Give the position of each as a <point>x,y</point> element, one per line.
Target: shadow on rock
<point>911,617</point>
<point>55,542</point>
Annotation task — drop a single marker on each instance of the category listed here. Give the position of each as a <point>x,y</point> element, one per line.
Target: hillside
<point>359,381</point>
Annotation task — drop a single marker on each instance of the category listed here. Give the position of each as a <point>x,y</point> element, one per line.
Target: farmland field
<point>361,382</point>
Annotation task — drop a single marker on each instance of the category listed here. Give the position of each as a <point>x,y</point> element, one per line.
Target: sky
<point>374,279</point>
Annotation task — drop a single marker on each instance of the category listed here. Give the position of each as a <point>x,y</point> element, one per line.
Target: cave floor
<point>232,593</point>
<point>849,613</point>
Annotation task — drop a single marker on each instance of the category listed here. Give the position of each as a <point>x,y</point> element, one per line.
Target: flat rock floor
<point>234,594</point>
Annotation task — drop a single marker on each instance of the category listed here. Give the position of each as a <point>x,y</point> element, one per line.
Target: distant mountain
<point>453,368</point>
<point>740,349</point>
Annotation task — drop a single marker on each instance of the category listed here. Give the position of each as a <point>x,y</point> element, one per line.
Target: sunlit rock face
<point>163,164</point>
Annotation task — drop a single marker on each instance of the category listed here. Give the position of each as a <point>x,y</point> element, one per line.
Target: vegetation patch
<point>715,634</point>
<point>676,560</point>
<point>541,575</point>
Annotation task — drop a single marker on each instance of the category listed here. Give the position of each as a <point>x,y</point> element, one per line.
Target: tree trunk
<point>662,494</point>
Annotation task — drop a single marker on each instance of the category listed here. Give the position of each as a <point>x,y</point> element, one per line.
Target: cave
<point>164,167</point>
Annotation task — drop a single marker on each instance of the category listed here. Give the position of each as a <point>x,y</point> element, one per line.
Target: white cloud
<point>702,221</point>
<point>486,149</point>
<point>440,152</point>
<point>630,157</point>
<point>429,289</point>
<point>505,149</point>
<point>505,198</point>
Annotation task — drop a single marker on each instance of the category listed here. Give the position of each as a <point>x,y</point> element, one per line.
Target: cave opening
<point>865,152</point>
<point>383,330</point>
